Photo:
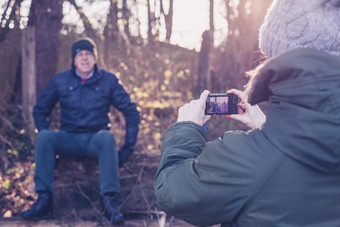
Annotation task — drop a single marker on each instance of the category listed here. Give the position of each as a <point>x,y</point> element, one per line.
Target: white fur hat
<point>301,23</point>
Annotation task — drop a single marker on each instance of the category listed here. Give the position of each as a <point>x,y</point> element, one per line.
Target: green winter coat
<point>286,174</point>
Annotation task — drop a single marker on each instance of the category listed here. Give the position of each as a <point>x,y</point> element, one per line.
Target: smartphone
<point>221,104</point>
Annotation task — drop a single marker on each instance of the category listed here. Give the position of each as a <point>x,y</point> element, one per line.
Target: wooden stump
<point>76,189</point>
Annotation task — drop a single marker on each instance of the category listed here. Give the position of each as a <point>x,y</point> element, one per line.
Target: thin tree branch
<point>88,26</point>
<point>5,11</point>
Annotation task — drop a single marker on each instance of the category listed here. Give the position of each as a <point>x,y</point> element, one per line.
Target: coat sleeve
<point>121,100</point>
<point>199,182</point>
<point>44,105</point>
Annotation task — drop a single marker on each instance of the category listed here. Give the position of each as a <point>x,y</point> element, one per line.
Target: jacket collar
<point>303,119</point>
<point>95,76</point>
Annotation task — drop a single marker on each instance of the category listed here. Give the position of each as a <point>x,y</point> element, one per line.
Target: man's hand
<point>123,154</point>
<point>195,110</point>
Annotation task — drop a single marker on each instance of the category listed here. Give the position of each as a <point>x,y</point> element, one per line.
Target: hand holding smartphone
<point>221,104</point>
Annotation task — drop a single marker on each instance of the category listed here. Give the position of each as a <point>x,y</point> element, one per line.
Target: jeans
<point>99,145</point>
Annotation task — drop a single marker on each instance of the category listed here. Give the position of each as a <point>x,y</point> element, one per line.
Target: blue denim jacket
<point>85,105</point>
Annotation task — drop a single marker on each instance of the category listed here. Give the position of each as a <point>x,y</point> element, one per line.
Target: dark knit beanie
<point>84,44</point>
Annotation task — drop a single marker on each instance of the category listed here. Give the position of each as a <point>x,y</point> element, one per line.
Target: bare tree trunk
<point>211,15</point>
<point>126,14</point>
<point>46,16</point>
<point>150,36</point>
<point>204,63</point>
<point>28,75</point>
<point>168,17</point>
<point>111,31</point>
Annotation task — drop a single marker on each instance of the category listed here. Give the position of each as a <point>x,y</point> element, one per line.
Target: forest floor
<point>77,197</point>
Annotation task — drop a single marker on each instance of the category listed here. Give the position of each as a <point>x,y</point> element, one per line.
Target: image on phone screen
<point>218,104</point>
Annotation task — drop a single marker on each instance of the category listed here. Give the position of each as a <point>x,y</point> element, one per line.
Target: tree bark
<point>46,17</point>
<point>211,21</point>
<point>111,30</point>
<point>150,36</point>
<point>204,63</point>
<point>168,17</point>
<point>126,14</point>
<point>28,75</point>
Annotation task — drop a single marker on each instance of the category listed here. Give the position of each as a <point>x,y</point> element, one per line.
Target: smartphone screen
<point>221,104</point>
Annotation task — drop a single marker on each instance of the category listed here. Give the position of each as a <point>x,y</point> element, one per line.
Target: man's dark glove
<point>124,153</point>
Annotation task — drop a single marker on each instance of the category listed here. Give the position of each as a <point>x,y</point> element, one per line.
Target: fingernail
<point>227,117</point>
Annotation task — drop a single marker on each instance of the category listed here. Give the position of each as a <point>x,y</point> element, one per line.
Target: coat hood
<point>303,119</point>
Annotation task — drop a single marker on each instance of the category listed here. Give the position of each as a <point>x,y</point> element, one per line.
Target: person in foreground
<point>85,94</point>
<point>285,171</point>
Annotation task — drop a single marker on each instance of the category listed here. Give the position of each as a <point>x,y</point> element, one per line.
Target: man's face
<point>84,61</point>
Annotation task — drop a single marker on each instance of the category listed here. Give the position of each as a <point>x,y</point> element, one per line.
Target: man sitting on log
<point>85,94</point>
